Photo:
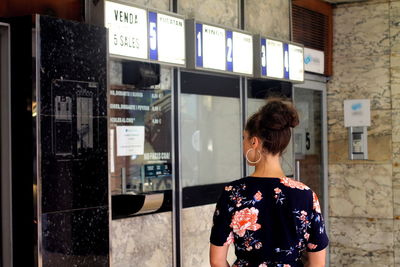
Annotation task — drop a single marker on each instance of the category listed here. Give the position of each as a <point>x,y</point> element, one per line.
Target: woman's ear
<point>255,142</point>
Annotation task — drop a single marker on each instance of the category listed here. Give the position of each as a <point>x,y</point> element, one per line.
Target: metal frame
<point>6,169</point>
<point>38,142</point>
<point>317,82</point>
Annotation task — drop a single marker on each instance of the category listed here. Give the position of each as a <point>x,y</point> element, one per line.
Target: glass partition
<point>140,128</point>
<point>210,129</point>
<point>257,93</point>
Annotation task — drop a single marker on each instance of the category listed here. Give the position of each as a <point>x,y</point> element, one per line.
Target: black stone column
<point>73,163</point>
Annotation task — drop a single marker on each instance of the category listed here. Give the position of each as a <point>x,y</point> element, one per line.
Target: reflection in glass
<point>210,130</point>
<point>258,92</point>
<point>140,135</point>
<point>308,139</point>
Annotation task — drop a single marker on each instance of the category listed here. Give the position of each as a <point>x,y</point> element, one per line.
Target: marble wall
<point>365,195</point>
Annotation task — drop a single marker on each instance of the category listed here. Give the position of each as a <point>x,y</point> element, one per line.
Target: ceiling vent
<point>312,27</point>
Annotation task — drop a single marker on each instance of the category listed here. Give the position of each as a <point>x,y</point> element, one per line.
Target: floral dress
<point>271,221</point>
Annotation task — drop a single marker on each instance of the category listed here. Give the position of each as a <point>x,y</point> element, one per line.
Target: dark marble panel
<point>74,172</point>
<point>72,51</point>
<point>76,238</point>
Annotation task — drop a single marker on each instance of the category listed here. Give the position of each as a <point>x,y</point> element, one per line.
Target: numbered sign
<point>166,38</point>
<point>278,60</point>
<point>210,47</point>
<point>286,61</point>
<point>219,49</point>
<point>127,27</point>
<point>296,62</point>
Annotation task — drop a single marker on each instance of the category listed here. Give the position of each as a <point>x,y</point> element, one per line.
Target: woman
<point>270,218</point>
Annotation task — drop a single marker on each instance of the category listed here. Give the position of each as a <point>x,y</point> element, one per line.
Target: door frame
<point>319,83</point>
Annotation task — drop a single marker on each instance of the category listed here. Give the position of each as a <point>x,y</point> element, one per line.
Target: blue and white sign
<point>219,49</point>
<point>263,55</point>
<point>229,51</point>
<point>314,60</point>
<point>286,61</point>
<point>357,112</point>
<point>127,28</point>
<point>296,63</point>
<point>274,59</point>
<point>166,38</point>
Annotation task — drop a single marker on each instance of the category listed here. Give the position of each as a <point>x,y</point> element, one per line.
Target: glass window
<point>210,129</point>
<point>257,93</point>
<point>140,128</point>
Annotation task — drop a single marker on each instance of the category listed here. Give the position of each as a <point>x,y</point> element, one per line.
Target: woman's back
<point>270,220</point>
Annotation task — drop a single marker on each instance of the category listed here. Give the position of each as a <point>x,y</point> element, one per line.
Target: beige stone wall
<point>268,18</point>
<point>365,195</point>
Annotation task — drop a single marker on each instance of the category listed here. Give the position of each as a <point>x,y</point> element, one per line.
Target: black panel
<point>201,195</point>
<point>206,84</point>
<point>269,88</point>
<point>24,227</point>
<point>76,238</point>
<point>73,143</point>
<point>73,115</point>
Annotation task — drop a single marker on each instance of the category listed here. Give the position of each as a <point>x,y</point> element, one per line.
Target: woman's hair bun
<point>277,115</point>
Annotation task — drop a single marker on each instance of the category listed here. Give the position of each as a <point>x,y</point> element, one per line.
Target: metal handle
<point>298,170</point>
<point>123,180</point>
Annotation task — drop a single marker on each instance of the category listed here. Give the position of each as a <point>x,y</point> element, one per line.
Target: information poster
<point>274,59</point>
<point>166,38</point>
<point>130,140</point>
<point>242,53</point>
<point>127,27</point>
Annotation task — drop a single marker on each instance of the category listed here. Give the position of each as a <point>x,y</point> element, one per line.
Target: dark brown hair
<point>272,125</point>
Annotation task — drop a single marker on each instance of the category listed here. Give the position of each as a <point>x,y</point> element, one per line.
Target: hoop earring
<point>253,162</point>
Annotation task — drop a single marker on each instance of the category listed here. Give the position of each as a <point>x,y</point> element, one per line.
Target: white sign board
<point>357,113</point>
<point>212,44</point>
<point>314,60</point>
<point>166,38</point>
<point>127,27</point>
<point>274,59</point>
<point>296,63</point>
<point>130,140</point>
<point>242,53</point>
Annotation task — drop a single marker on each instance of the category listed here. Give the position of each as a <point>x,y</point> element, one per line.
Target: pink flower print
<point>316,205</point>
<point>249,248</point>
<point>312,246</point>
<point>263,265</point>
<point>258,196</point>
<point>277,190</point>
<point>228,188</point>
<point>293,184</point>
<point>258,245</point>
<point>306,236</point>
<point>286,265</point>
<point>230,239</point>
<point>245,219</point>
<point>238,202</point>
<point>303,216</point>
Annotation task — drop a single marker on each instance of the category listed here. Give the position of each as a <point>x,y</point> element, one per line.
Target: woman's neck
<point>269,166</point>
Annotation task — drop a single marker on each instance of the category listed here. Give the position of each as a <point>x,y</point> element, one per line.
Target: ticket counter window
<point>210,132</point>
<point>140,128</point>
<point>257,93</point>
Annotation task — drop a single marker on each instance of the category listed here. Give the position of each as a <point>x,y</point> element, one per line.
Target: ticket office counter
<point>187,130</point>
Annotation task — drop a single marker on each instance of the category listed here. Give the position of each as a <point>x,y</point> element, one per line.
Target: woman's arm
<point>218,256</point>
<point>316,259</point>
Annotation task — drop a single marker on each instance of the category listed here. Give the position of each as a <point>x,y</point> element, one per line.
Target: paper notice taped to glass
<point>130,140</point>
